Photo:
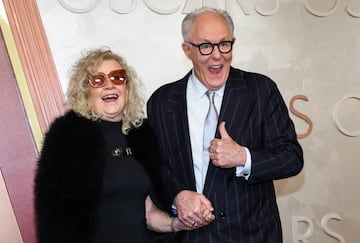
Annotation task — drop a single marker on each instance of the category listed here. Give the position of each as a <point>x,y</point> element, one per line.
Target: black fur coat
<point>69,176</point>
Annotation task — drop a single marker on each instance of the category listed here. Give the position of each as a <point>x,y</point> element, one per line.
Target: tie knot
<point>210,94</point>
<point>212,109</point>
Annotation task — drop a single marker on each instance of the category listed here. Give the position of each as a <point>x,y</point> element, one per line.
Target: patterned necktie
<point>210,124</point>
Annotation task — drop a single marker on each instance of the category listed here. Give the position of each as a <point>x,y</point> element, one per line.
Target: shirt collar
<point>197,89</point>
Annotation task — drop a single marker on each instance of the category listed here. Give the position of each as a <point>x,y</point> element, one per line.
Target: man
<point>255,140</point>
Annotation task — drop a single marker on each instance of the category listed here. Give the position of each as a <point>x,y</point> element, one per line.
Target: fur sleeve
<point>68,180</point>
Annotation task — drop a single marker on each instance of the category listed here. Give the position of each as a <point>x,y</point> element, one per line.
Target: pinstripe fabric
<point>257,117</point>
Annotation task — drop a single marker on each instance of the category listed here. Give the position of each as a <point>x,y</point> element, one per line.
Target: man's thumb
<point>222,130</point>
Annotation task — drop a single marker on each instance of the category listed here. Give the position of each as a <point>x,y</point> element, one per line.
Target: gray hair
<point>190,18</point>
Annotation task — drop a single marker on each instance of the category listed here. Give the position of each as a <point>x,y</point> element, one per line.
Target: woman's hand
<point>207,215</point>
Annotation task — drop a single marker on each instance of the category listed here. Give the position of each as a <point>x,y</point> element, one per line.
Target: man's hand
<point>225,152</point>
<point>194,209</point>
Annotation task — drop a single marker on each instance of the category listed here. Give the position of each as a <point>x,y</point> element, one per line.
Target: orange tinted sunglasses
<point>117,77</point>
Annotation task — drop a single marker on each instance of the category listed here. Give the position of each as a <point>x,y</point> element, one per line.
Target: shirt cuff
<point>244,171</point>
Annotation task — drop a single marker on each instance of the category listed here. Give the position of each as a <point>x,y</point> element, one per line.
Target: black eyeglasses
<point>117,77</point>
<point>207,48</point>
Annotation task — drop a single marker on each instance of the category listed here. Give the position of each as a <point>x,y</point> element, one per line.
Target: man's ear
<point>186,48</point>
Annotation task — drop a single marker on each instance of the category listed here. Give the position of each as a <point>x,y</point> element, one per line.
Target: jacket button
<point>222,215</point>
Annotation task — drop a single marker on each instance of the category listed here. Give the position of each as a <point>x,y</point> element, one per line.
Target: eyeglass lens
<point>117,77</point>
<point>208,48</point>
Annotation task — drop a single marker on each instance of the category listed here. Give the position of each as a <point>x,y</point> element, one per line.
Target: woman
<point>92,183</point>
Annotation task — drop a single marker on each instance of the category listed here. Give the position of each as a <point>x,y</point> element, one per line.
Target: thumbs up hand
<point>225,152</point>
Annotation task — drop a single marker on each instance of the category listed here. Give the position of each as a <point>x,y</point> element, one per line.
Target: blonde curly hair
<point>78,88</point>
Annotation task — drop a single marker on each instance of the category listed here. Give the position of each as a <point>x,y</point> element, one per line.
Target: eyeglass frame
<point>108,76</point>
<point>213,46</point>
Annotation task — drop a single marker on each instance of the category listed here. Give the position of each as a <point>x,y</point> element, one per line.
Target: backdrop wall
<point>310,48</point>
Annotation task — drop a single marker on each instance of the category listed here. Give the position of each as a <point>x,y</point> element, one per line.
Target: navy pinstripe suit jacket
<point>256,117</point>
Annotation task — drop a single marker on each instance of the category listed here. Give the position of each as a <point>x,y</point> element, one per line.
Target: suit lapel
<point>178,128</point>
<point>235,112</point>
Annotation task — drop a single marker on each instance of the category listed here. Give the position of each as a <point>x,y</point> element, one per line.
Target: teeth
<point>217,66</point>
<point>113,96</point>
